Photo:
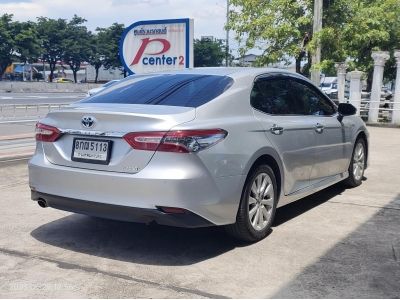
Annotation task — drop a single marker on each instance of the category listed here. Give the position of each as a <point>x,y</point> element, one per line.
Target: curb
<point>383,125</point>
<point>17,136</point>
<point>20,156</point>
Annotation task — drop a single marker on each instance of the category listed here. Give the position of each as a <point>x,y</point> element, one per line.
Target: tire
<point>254,202</point>
<point>357,164</point>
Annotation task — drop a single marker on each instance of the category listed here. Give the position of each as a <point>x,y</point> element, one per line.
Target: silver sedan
<point>200,147</point>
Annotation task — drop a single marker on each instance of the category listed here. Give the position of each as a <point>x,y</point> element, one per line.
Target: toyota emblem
<point>88,121</point>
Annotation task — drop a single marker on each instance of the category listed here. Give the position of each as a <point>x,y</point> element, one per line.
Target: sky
<point>209,15</point>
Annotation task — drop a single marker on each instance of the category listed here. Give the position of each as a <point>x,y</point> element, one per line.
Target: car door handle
<point>276,129</point>
<point>319,128</point>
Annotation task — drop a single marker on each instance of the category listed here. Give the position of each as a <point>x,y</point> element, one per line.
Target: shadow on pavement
<point>154,244</point>
<point>365,264</point>
<point>294,209</point>
<point>133,242</point>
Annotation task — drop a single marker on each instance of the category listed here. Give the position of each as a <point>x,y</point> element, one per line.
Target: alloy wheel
<point>358,162</point>
<point>261,201</point>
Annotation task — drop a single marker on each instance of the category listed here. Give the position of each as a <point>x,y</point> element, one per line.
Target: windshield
<point>188,90</point>
<point>325,84</point>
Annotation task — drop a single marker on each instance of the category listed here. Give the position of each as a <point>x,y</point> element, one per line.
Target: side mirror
<point>346,109</point>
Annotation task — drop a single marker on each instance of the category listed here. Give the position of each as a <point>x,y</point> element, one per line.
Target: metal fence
<point>385,109</point>
<point>13,113</point>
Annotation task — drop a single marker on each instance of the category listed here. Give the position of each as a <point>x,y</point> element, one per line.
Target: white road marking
<point>43,97</point>
<point>19,121</point>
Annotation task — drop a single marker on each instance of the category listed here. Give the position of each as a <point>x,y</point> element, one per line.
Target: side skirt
<point>312,188</point>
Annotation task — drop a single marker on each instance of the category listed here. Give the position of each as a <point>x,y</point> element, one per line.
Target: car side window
<point>273,96</point>
<point>312,102</point>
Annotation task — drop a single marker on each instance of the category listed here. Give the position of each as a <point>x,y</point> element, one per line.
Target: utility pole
<point>317,26</point>
<point>227,35</point>
<point>44,70</point>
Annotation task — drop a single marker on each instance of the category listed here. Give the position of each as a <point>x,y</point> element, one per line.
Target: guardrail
<point>13,113</point>
<point>385,109</point>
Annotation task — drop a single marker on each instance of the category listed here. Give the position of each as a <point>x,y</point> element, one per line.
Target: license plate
<point>91,151</point>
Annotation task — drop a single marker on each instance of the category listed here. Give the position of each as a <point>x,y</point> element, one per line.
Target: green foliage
<point>76,45</point>
<point>52,33</point>
<point>56,41</point>
<point>6,42</point>
<point>352,29</point>
<point>18,41</point>
<point>208,53</point>
<point>109,39</point>
<point>96,55</point>
<point>277,27</point>
<point>27,42</point>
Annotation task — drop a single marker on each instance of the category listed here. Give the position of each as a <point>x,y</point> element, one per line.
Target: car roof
<point>234,72</point>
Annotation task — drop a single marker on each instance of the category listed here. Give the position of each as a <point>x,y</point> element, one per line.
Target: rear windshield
<point>189,90</point>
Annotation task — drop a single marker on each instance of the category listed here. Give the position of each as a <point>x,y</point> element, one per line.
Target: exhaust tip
<point>171,210</point>
<point>42,203</point>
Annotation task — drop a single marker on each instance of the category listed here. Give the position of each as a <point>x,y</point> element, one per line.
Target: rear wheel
<point>357,164</point>
<point>257,206</point>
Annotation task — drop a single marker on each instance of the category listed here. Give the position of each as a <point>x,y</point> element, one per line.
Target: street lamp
<point>227,35</point>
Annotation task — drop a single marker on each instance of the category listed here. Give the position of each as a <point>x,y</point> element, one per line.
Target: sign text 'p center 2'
<point>152,46</point>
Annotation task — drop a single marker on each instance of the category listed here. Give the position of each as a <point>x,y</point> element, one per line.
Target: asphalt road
<point>25,105</point>
<point>36,98</point>
<point>338,243</point>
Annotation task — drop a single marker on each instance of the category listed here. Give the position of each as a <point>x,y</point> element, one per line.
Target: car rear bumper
<point>122,213</point>
<point>162,183</point>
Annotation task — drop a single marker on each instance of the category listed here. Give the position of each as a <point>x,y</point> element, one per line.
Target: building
<point>104,75</point>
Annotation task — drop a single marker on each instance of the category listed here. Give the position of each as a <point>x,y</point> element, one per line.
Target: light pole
<point>227,35</point>
<point>317,26</point>
<point>44,71</point>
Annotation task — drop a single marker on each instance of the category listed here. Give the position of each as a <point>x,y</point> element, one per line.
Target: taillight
<point>182,141</point>
<point>46,133</point>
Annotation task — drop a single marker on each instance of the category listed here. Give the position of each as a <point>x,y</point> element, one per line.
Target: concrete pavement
<point>16,140</point>
<point>14,148</point>
<point>339,243</point>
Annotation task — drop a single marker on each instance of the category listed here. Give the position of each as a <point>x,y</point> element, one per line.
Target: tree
<point>208,53</point>
<point>109,39</point>
<point>18,41</point>
<point>52,33</point>
<point>280,28</point>
<point>352,29</point>
<point>96,57</point>
<point>76,46</point>
<point>6,42</point>
<point>27,42</point>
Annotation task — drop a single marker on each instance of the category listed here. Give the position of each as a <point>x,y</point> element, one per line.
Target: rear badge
<point>88,121</point>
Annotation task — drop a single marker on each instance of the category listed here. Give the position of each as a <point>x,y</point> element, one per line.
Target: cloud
<point>22,10</point>
<point>209,15</point>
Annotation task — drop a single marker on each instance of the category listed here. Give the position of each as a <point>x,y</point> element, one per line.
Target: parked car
<point>100,88</point>
<point>199,147</point>
<point>329,87</point>
<point>386,93</point>
<point>64,80</point>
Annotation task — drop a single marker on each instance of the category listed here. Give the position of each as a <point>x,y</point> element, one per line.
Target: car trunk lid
<point>111,123</point>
